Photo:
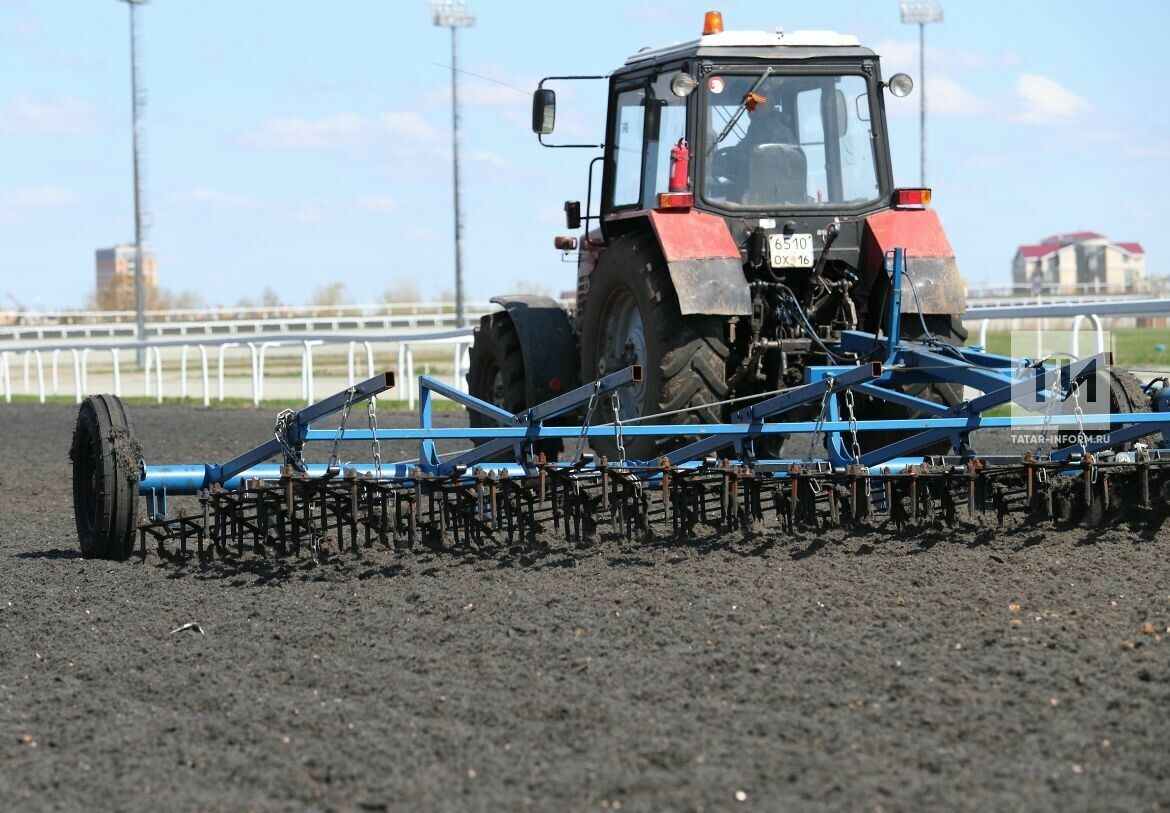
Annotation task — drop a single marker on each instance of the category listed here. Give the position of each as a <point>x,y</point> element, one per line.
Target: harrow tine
<point>483,508</point>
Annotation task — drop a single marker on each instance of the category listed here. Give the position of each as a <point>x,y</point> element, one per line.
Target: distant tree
<point>166,300</point>
<point>334,293</point>
<point>525,286</point>
<point>403,290</point>
<point>269,298</point>
<point>187,300</point>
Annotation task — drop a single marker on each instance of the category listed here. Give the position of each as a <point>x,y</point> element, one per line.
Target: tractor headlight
<point>900,85</point>
<point>682,84</point>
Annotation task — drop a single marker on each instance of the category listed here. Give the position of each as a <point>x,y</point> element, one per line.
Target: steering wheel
<point>725,164</point>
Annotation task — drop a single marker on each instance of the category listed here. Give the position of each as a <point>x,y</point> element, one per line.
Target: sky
<point>292,144</point>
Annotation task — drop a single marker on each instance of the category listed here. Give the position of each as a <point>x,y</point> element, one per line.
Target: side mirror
<point>544,111</point>
<point>572,214</point>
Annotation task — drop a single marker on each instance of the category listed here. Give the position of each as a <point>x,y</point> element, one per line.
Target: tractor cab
<point>774,125</point>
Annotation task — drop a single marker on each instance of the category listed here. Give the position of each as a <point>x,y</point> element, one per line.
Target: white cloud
<point>217,201</point>
<point>16,204</point>
<point>490,158</point>
<point>306,214</point>
<point>946,97</point>
<point>902,55</point>
<point>422,234</point>
<point>341,129</point>
<point>986,161</point>
<point>654,13</point>
<point>376,204</point>
<point>1045,101</point>
<point>488,85</point>
<point>478,93</point>
<point>408,125</point>
<point>38,197</point>
<point>54,115</point>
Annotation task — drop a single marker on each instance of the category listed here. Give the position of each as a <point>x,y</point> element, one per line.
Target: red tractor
<point>747,203</point>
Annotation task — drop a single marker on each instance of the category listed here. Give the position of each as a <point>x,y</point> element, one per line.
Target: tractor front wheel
<point>496,374</point>
<point>496,370</point>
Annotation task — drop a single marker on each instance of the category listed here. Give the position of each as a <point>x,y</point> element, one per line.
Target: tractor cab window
<point>788,142</point>
<point>649,121</point>
<point>627,143</point>
<point>666,124</point>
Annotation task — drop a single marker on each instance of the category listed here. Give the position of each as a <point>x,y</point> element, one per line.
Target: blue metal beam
<point>902,399</point>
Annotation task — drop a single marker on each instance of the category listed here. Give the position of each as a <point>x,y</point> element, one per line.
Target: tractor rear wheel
<point>106,460</point>
<point>632,316</point>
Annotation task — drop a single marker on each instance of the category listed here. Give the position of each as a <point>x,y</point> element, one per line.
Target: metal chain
<point>812,442</point>
<point>341,428</point>
<point>375,444</point>
<point>856,447</point>
<point>284,422</point>
<point>585,423</point>
<point>1082,438</point>
<point>616,403</point>
<point>1049,407</point>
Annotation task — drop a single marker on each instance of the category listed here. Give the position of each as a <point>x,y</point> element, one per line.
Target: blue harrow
<point>924,470</point>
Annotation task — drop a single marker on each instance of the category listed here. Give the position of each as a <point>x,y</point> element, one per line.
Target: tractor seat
<point>777,174</point>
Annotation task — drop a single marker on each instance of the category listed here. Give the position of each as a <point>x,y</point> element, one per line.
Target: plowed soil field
<point>945,669</point>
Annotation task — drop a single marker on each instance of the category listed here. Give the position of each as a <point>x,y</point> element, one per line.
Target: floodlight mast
<point>921,12</point>
<point>453,14</point>
<point>137,102</point>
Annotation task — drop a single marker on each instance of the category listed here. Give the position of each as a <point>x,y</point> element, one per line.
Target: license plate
<point>792,250</point>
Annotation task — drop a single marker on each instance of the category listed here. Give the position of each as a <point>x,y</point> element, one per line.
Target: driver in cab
<point>767,167</point>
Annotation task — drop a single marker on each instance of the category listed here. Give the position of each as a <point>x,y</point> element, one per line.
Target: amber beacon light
<point>713,23</point>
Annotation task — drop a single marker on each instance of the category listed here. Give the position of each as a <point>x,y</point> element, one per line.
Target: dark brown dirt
<point>951,669</point>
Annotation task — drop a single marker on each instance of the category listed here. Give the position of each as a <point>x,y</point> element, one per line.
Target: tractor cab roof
<point>758,45</point>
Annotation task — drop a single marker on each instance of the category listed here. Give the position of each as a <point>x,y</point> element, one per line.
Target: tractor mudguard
<point>704,263</point>
<point>546,343</point>
<point>930,260</point>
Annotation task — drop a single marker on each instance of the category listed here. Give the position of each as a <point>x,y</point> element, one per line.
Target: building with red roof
<point>1079,262</point>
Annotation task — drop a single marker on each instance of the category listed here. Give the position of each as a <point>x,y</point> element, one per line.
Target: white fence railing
<point>63,325</point>
<point>33,358</point>
<point>459,340</point>
<point>1079,312</point>
<point>245,322</point>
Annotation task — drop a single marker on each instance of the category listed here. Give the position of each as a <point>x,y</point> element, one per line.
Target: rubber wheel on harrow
<point>948,329</point>
<point>106,460</point>
<point>633,317</point>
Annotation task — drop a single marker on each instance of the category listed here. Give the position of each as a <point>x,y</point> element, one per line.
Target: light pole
<point>137,102</point>
<point>453,14</point>
<point>921,12</point>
